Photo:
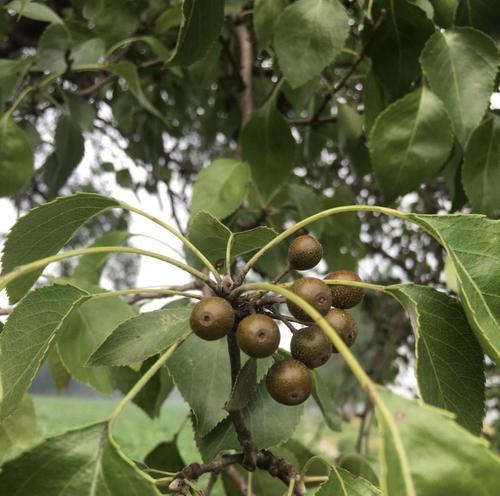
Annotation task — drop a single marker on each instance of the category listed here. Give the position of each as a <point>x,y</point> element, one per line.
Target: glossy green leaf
<point>265,17</point>
<point>424,452</point>
<point>342,483</point>
<point>43,231</point>
<point>268,146</point>
<point>449,365</point>
<point>142,336</point>
<point>90,267</point>
<point>81,462</point>
<point>460,65</point>
<point>116,20</point>
<point>128,72</point>
<point>325,399</point>
<point>12,73</point>
<point>202,23</point>
<point>16,157</point>
<point>29,333</point>
<point>85,331</point>
<point>396,46</point>
<point>34,10</point>
<point>409,142</point>
<point>481,168</point>
<point>69,150</point>
<point>269,422</point>
<point>309,35</point>
<point>472,244</point>
<point>19,429</point>
<point>220,188</point>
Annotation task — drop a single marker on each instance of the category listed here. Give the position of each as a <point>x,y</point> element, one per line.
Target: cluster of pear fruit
<point>289,381</point>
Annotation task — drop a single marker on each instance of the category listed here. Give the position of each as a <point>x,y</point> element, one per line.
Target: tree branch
<point>246,66</point>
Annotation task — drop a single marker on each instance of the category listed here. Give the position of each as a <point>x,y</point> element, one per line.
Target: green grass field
<point>137,434</point>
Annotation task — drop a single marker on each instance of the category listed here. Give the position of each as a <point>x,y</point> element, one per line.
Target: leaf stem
<point>229,247</point>
<point>356,284</point>
<point>178,235</point>
<point>309,220</point>
<point>166,292</point>
<point>40,264</point>
<point>143,381</point>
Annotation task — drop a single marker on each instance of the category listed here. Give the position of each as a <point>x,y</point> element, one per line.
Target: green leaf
<point>81,462</point>
<point>268,146</point>
<point>309,36</point>
<point>483,15</point>
<point>481,167</point>
<point>35,11</point>
<point>69,149</point>
<point>423,451</point>
<point>16,158</point>
<point>209,235</point>
<point>472,242</point>
<point>12,73</point>
<point>343,483</point>
<point>269,422</point>
<point>172,17</point>
<point>201,372</point>
<point>128,72</point>
<point>374,100</point>
<point>359,466</point>
<point>325,400</point>
<point>397,43</point>
<point>142,336</point>
<point>248,241</point>
<point>265,17</point>
<point>19,429</point>
<point>308,202</point>
<point>82,111</point>
<point>60,376</point>
<point>85,331</point>
<point>460,65</point>
<point>202,23</point>
<point>409,142</point>
<point>166,456</point>
<point>220,188</point>
<point>53,46</point>
<point>90,267</point>
<point>152,396</point>
<point>245,385</point>
<point>116,20</point>
<point>444,12</point>
<point>29,333</point>
<point>43,231</point>
<point>449,366</point>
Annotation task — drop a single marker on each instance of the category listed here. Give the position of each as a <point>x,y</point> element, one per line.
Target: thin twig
<point>316,116</point>
<point>150,296</point>
<point>246,66</point>
<point>171,197</point>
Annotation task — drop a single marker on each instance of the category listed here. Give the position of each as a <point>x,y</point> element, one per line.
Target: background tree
<point>263,113</point>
